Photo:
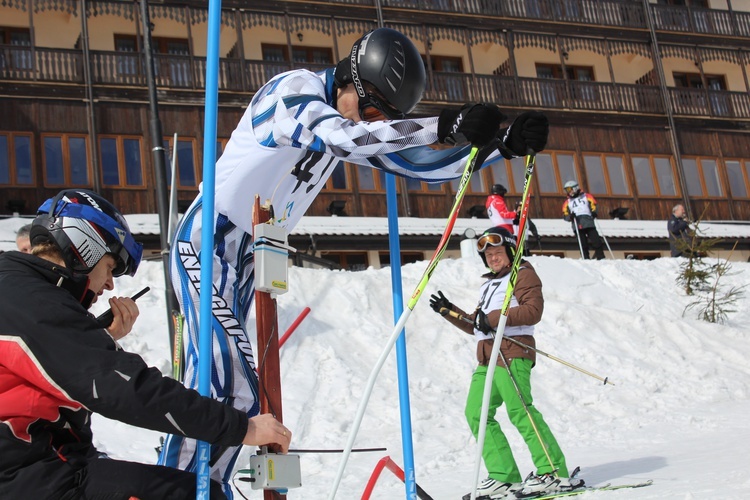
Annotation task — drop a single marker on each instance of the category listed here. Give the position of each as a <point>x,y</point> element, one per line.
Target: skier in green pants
<point>497,248</point>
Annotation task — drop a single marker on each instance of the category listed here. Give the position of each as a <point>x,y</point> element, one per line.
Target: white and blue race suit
<point>285,147</point>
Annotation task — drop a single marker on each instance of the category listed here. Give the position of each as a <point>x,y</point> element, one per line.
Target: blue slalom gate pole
<point>205,351</point>
<point>394,247</point>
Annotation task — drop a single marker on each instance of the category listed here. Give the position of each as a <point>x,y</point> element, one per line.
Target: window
<point>351,261</point>
<point>738,172</point>
<point>553,170</point>
<point>417,185</point>
<point>693,81</point>
<point>187,175</point>
<point>121,161</point>
<point>702,177</point>
<point>406,258</point>
<point>15,159</point>
<point>476,185</point>
<point>65,160</point>
<point>175,68</point>
<point>555,71</point>
<point>221,145</point>
<point>18,55</point>
<point>280,53</point>
<point>370,179</point>
<point>605,174</point>
<point>339,179</point>
<point>654,176</point>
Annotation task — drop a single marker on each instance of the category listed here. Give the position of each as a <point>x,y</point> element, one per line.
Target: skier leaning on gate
<point>580,210</point>
<point>58,365</point>
<point>497,249</point>
<point>296,131</point>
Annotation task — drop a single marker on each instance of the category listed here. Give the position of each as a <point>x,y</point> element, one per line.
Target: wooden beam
<point>267,329</point>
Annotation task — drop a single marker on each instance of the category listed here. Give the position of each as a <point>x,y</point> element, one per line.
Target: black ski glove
<point>528,131</point>
<point>594,215</point>
<point>475,123</point>
<point>482,324</point>
<point>438,302</point>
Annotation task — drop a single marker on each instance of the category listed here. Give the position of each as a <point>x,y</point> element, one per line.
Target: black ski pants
<point>590,239</point>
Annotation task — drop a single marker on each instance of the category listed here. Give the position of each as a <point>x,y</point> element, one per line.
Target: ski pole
<point>578,237</point>
<point>462,187</point>
<point>601,233</point>
<point>445,311</point>
<point>530,164</point>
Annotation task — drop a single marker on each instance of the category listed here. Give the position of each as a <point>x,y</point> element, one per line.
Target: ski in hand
<point>586,489</point>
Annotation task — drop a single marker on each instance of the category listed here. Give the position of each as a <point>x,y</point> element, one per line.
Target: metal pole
<point>601,233</point>
<point>90,116</point>
<point>394,248</point>
<point>578,237</point>
<point>160,172</point>
<point>207,232</point>
<point>674,140</point>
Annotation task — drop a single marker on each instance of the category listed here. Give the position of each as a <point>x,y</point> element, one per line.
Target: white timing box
<point>271,258</point>
<point>271,471</point>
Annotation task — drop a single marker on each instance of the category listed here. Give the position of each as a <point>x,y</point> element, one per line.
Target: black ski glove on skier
<point>474,123</point>
<point>482,324</point>
<point>438,302</point>
<point>528,131</point>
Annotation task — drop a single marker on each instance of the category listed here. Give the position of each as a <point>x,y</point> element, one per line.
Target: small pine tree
<point>695,272</point>
<point>715,304</point>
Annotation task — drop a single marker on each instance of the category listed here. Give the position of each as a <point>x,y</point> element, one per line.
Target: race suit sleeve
<point>292,111</point>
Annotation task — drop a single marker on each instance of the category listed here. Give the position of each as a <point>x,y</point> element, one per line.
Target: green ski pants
<point>497,455</point>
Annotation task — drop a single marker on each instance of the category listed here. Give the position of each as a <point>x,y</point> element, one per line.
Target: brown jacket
<point>528,293</point>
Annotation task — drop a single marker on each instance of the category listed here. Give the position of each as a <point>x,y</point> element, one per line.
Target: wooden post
<point>266,325</point>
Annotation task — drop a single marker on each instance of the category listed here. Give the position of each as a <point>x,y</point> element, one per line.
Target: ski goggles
<point>494,239</point>
<point>370,113</point>
<point>570,189</point>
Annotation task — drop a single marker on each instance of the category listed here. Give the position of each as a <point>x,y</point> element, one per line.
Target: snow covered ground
<point>677,414</point>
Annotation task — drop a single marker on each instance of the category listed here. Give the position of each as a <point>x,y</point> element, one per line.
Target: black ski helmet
<point>498,189</point>
<point>387,72</point>
<point>86,227</point>
<point>496,236</point>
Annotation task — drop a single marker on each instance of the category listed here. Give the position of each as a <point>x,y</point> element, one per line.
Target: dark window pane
<point>365,178</point>
<point>185,163</point>
<point>690,167</point>
<point>338,178</point>
<point>665,177</point>
<point>53,161</point>
<point>24,173</point>
<point>110,173</point>
<point>616,175</point>
<point>518,170</point>
<point>736,180</point>
<point>546,174</point>
<point>4,160</point>
<point>133,175</point>
<point>500,174</point>
<point>595,175</point>
<point>644,182</point>
<point>567,168</point>
<point>413,184</point>
<point>219,149</point>
<point>711,176</point>
<point>79,165</point>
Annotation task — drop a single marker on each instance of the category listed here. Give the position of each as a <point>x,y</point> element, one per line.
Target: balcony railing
<point>175,72</point>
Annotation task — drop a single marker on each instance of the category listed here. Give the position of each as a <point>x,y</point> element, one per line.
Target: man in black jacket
<point>58,365</point>
<point>678,227</point>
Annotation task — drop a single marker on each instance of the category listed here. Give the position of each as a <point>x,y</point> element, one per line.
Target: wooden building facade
<point>648,101</point>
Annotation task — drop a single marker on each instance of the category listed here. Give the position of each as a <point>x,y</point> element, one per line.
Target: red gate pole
<point>267,328</point>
